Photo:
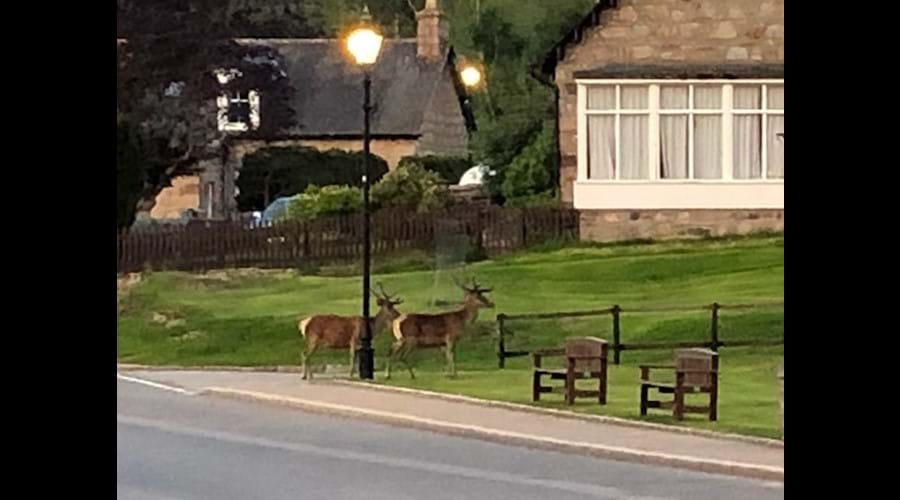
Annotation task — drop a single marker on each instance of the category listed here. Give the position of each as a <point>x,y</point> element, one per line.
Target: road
<point>176,446</point>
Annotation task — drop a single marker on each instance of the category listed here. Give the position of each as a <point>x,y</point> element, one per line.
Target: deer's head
<point>475,295</point>
<point>386,303</point>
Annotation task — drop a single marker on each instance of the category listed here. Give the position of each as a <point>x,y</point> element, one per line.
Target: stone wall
<point>666,31</point>
<point>624,225</point>
<point>183,194</point>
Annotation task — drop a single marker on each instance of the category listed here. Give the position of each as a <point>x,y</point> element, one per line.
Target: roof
<point>328,90</point>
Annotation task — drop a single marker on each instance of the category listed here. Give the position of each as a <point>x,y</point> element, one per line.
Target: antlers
<point>475,288</point>
<point>385,296</point>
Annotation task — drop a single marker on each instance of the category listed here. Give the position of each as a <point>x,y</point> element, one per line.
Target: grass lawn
<point>236,318</point>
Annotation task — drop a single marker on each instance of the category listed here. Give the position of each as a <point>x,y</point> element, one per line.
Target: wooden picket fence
<point>217,245</point>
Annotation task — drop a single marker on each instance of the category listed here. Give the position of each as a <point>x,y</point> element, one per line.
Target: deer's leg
<point>310,350</point>
<point>395,348</point>
<point>406,351</point>
<point>352,358</point>
<point>450,349</point>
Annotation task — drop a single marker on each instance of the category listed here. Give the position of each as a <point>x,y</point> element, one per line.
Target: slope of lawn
<point>250,318</point>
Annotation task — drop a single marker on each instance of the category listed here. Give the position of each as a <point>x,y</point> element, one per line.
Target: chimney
<point>432,33</point>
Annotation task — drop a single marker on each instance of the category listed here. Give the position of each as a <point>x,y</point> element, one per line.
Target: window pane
<point>635,97</point>
<point>673,147</point>
<point>674,97</point>
<point>707,147</point>
<point>775,167</point>
<point>776,96</point>
<point>601,147</point>
<point>239,112</point>
<point>634,155</point>
<point>708,97</point>
<point>601,97</point>
<point>747,97</point>
<point>747,147</point>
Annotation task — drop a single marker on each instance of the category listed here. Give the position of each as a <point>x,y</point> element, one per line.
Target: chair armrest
<point>549,352</point>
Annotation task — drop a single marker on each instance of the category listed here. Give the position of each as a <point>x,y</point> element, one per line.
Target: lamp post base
<point>366,357</point>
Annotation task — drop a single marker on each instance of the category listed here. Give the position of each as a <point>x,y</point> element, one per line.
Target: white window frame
<point>726,111</point>
<point>225,101</point>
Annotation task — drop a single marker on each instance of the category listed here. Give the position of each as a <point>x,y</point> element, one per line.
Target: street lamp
<point>364,44</point>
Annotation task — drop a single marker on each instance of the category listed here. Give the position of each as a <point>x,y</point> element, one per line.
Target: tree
<point>285,171</point>
<point>167,84</point>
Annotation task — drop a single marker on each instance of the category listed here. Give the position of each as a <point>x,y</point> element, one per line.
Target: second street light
<point>364,44</point>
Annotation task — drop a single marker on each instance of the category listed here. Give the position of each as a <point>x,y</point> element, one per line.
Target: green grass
<point>232,318</point>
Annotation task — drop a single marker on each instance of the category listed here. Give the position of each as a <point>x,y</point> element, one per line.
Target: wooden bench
<point>586,358</point>
<point>696,371</point>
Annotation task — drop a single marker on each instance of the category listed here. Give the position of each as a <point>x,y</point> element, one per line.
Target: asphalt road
<point>174,446</point>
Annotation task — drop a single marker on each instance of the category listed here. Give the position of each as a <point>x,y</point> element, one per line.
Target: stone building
<point>420,108</point>
<point>671,117</point>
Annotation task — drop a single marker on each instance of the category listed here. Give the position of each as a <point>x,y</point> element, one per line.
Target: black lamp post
<point>364,43</point>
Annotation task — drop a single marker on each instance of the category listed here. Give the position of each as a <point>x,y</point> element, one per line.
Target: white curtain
<point>634,134</point>
<point>747,146</point>
<point>634,155</point>
<point>673,146</point>
<point>601,97</point>
<point>775,148</point>
<point>707,147</point>
<point>673,131</point>
<point>601,147</point>
<point>708,134</point>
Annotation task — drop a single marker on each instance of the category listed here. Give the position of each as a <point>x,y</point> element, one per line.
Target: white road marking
<point>156,385</point>
<point>385,461</point>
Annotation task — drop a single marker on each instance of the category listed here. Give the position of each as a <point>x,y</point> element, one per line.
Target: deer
<point>436,330</point>
<point>344,332</point>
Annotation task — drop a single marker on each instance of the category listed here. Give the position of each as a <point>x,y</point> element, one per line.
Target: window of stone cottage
<point>237,111</point>
<point>684,130</point>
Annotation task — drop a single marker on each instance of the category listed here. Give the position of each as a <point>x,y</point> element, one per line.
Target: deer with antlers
<point>436,330</point>
<point>343,332</point>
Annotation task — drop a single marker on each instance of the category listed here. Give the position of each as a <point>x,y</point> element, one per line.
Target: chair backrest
<point>697,359</point>
<point>586,346</point>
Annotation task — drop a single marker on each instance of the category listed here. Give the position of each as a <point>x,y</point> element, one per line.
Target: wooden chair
<point>696,371</point>
<point>586,358</point>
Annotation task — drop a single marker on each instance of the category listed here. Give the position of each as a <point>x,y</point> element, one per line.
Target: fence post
<point>714,326</point>
<point>617,334</point>
<point>524,228</point>
<point>501,347</point>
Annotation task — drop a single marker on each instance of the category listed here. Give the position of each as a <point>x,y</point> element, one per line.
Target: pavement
<point>174,444</point>
<point>552,431</point>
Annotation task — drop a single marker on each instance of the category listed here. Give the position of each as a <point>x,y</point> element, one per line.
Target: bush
<point>530,173</point>
<point>449,168</point>
<point>413,187</point>
<point>318,202</point>
<point>285,171</point>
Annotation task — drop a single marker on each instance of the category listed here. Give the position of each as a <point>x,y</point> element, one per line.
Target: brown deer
<point>343,332</point>
<point>436,330</point>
